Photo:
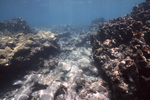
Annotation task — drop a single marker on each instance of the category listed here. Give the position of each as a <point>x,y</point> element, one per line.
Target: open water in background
<point>45,13</point>
<point>76,75</point>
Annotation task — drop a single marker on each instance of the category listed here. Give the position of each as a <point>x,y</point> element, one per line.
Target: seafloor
<point>109,61</point>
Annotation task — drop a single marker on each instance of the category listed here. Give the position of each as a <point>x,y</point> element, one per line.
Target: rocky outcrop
<point>14,26</point>
<point>122,50</point>
<point>21,52</point>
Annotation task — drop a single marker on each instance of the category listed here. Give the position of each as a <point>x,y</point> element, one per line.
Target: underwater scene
<point>74,49</point>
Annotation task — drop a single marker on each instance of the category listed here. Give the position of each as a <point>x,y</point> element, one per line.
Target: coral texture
<point>20,52</point>
<point>122,50</point>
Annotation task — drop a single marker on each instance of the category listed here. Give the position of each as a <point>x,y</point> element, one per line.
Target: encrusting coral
<point>24,45</point>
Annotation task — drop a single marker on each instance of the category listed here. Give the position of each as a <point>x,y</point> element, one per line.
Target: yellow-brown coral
<point>115,73</point>
<point>47,34</point>
<point>99,49</point>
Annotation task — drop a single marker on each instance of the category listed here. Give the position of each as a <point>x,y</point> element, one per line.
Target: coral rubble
<point>41,75</point>
<point>122,50</point>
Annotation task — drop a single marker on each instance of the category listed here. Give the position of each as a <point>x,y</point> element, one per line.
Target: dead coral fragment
<point>99,49</point>
<point>148,50</point>
<point>107,42</point>
<point>47,34</point>
<point>6,64</point>
<point>115,73</point>
<point>137,33</point>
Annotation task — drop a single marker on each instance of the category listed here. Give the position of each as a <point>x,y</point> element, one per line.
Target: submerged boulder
<point>13,26</point>
<point>122,50</point>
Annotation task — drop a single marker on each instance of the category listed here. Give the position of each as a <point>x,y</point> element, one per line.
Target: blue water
<point>44,13</point>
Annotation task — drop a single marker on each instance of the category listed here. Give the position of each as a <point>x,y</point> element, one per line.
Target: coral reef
<point>39,67</point>
<point>22,47</point>
<point>20,52</point>
<point>42,75</point>
<point>122,50</point>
